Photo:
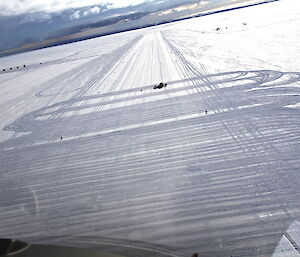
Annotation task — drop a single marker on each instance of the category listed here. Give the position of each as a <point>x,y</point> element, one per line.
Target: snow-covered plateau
<point>92,155</point>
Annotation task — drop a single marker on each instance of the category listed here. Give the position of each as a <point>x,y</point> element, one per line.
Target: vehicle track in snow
<point>150,165</point>
<point>257,138</point>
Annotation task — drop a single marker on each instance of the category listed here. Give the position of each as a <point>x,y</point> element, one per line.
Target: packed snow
<point>91,154</point>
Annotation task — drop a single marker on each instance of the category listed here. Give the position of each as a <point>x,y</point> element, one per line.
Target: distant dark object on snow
<point>205,112</point>
<point>217,29</point>
<point>4,70</point>
<point>244,23</point>
<point>195,255</point>
<point>60,138</point>
<point>24,65</point>
<point>160,85</point>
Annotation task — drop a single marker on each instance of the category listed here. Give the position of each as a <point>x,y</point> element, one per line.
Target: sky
<point>34,21</point>
<point>15,7</point>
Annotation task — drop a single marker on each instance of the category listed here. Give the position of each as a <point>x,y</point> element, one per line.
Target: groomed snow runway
<point>91,154</point>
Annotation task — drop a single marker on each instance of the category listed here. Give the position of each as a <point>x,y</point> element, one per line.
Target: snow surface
<point>91,153</point>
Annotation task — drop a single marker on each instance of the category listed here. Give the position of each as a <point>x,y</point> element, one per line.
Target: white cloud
<point>124,3</point>
<point>15,7</point>
<point>92,11</point>
<point>75,15</point>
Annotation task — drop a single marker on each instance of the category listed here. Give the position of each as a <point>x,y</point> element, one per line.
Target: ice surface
<point>91,154</point>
